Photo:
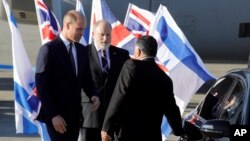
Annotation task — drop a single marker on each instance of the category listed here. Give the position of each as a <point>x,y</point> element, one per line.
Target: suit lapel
<point>65,55</point>
<point>79,60</point>
<point>94,61</point>
<point>113,57</point>
<point>62,48</point>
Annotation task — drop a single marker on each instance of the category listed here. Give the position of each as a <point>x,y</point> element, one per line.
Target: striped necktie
<point>105,67</point>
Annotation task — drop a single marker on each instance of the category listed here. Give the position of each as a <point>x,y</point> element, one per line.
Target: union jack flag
<point>48,24</point>
<point>138,20</point>
<point>121,36</point>
<point>49,28</point>
<point>195,120</point>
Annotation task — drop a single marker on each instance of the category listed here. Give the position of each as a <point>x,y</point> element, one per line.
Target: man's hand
<point>105,136</point>
<point>59,124</point>
<point>95,103</point>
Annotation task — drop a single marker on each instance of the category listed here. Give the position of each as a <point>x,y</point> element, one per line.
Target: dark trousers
<point>71,134</point>
<point>90,134</point>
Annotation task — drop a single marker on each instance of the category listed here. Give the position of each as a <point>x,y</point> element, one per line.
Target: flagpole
<point>127,14</point>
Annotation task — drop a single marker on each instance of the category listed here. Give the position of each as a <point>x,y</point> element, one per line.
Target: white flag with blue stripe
<point>186,69</point>
<point>23,83</point>
<point>85,36</point>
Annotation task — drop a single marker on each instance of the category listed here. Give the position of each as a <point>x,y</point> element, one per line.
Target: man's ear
<point>137,52</point>
<point>67,25</point>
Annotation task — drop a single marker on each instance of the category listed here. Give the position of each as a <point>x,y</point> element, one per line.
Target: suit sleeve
<point>123,84</point>
<point>88,82</point>
<point>171,111</point>
<point>42,82</point>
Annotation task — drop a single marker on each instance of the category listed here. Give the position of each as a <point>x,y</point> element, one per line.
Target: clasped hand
<point>95,103</point>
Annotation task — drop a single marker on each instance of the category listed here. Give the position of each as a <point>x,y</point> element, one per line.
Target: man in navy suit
<point>106,62</point>
<point>142,96</point>
<point>62,71</point>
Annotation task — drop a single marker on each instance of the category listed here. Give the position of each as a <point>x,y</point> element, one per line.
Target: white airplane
<point>218,30</point>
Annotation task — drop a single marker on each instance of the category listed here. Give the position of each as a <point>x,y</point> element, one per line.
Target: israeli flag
<point>23,84</point>
<point>186,69</point>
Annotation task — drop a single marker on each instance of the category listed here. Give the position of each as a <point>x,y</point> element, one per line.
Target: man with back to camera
<point>142,96</point>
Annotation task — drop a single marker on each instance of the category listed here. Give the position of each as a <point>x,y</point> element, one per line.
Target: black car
<point>226,104</point>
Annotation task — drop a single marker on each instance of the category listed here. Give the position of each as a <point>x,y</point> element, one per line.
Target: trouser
<point>71,134</point>
<point>90,134</point>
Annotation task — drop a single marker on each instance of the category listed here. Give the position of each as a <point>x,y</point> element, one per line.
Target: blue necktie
<point>72,57</point>
<point>105,67</point>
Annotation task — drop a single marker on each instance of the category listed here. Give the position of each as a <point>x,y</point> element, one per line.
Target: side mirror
<point>216,128</point>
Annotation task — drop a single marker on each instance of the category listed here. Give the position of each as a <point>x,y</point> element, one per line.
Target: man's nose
<point>105,38</point>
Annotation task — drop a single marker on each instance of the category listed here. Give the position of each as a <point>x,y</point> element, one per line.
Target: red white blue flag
<point>48,24</point>
<point>121,36</point>
<point>138,20</point>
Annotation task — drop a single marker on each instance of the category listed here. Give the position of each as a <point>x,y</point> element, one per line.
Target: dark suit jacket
<point>105,86</point>
<point>143,94</point>
<point>58,86</point>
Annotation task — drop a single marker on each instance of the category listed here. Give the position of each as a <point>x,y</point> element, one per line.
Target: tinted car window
<point>228,98</point>
<point>213,101</point>
<point>233,105</point>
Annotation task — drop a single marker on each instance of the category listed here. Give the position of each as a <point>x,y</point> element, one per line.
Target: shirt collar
<point>99,50</point>
<point>145,58</point>
<point>65,41</point>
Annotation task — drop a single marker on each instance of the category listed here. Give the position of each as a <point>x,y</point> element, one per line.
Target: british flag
<point>138,20</point>
<point>49,29</point>
<point>48,24</point>
<point>195,120</point>
<point>121,36</point>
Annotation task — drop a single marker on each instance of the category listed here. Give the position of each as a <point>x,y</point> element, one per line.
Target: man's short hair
<point>148,45</point>
<point>72,16</point>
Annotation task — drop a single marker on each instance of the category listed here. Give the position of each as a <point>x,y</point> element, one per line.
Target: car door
<point>225,102</point>
<point>232,106</point>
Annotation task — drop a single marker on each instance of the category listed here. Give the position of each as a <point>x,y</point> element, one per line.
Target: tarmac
<point>32,42</point>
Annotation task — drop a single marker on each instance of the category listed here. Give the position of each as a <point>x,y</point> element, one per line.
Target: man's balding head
<point>74,24</point>
<point>102,34</point>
